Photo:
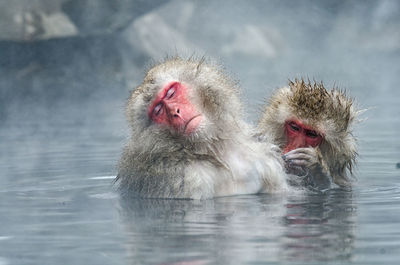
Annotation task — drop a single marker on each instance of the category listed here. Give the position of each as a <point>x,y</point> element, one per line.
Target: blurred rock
<point>105,16</point>
<point>68,51</point>
<point>154,36</point>
<point>376,30</point>
<point>74,71</point>
<point>260,42</point>
<point>28,20</point>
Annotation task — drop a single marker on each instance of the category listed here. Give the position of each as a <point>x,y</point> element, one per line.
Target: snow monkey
<point>313,127</point>
<point>189,140</point>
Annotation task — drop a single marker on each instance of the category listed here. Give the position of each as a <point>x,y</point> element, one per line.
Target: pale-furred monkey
<point>313,127</point>
<point>189,140</point>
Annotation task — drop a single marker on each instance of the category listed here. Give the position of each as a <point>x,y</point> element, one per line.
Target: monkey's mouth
<point>192,124</point>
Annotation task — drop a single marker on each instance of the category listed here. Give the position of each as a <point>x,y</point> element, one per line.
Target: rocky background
<point>73,55</point>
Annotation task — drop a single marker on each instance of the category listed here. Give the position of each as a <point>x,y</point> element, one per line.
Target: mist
<point>67,68</point>
<point>83,52</point>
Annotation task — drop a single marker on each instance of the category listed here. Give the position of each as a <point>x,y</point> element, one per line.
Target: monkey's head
<point>305,114</point>
<point>183,101</point>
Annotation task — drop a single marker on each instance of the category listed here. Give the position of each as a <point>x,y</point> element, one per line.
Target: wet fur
<point>330,112</point>
<point>220,158</point>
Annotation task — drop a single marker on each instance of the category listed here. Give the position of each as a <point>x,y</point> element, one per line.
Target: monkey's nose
<point>176,113</point>
<point>300,142</point>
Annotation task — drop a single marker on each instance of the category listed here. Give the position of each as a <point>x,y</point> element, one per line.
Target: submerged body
<point>189,139</point>
<point>313,127</point>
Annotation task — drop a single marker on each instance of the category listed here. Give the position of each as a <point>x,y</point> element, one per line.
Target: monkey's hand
<point>308,162</point>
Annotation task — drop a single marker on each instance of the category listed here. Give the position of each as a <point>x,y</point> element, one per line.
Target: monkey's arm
<point>308,162</point>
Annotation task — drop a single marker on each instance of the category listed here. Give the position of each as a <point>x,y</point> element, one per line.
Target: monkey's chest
<point>238,176</point>
<point>245,175</point>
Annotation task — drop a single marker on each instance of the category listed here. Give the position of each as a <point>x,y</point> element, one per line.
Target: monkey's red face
<point>173,108</point>
<point>299,135</point>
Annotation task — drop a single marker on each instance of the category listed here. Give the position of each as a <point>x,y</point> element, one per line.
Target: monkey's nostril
<point>176,113</point>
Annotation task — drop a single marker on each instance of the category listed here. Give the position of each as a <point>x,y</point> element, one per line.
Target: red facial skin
<point>299,135</point>
<point>172,107</point>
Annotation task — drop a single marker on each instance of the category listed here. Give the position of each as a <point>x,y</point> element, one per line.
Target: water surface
<point>58,206</point>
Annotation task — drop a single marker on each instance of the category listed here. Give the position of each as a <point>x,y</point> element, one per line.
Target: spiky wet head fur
<point>329,112</point>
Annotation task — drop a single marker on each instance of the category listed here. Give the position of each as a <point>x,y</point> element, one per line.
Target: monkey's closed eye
<point>170,93</point>
<point>311,134</point>
<point>157,109</point>
<point>294,127</point>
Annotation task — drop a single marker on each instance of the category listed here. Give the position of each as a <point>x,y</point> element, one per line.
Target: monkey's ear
<point>135,92</point>
<point>142,93</point>
<point>210,99</point>
<point>150,80</point>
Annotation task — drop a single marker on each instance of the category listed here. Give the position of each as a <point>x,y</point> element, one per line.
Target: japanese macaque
<point>314,129</point>
<point>189,140</point>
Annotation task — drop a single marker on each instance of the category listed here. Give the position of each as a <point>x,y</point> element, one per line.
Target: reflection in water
<point>320,227</point>
<point>244,229</point>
